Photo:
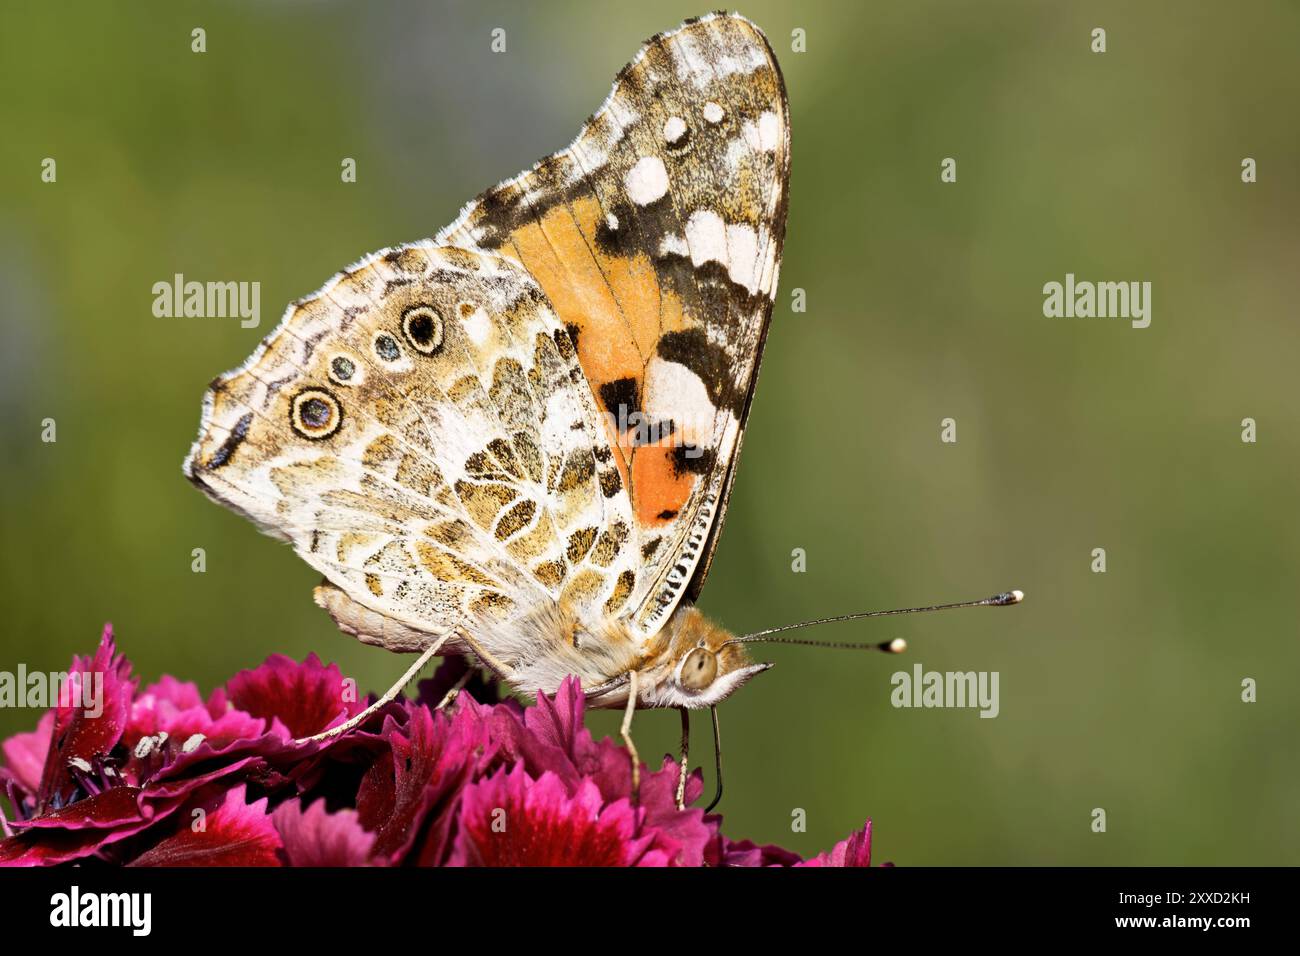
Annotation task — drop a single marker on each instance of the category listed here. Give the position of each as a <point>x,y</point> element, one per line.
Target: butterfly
<point>516,440</point>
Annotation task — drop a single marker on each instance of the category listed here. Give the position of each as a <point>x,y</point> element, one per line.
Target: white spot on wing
<point>647,180</point>
<point>671,245</point>
<point>769,131</point>
<point>713,113</point>
<point>674,130</point>
<point>742,256</point>
<point>707,237</point>
<point>478,327</point>
<point>744,250</point>
<point>673,391</point>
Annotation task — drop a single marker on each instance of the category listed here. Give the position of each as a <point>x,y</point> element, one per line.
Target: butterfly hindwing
<point>656,236</point>
<point>421,432</point>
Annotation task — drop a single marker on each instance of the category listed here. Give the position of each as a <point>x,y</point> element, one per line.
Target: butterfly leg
<point>627,737</point>
<point>389,696</point>
<point>454,691</point>
<point>686,750</point>
<point>717,756</point>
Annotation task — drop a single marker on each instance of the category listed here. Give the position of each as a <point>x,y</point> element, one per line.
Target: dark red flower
<point>164,777</point>
<point>510,819</point>
<point>117,763</point>
<point>410,793</point>
<point>551,738</point>
<point>315,837</point>
<point>82,732</point>
<point>747,853</point>
<point>307,698</point>
<point>855,851</point>
<point>172,709</point>
<point>223,830</point>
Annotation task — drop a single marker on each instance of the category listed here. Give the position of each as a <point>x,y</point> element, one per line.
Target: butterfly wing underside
<point>543,406</point>
<point>421,432</point>
<point>656,235</point>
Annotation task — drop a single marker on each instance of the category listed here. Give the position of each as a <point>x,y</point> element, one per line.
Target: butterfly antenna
<point>896,646</point>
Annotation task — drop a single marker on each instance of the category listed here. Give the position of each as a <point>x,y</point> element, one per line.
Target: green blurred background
<point>1118,690</point>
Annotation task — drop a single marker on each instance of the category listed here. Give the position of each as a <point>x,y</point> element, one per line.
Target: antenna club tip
<point>1016,596</point>
<point>1007,597</point>
<point>896,646</point>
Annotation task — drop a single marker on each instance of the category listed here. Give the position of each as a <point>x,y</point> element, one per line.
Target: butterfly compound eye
<point>699,669</point>
<point>316,414</point>
<point>422,328</point>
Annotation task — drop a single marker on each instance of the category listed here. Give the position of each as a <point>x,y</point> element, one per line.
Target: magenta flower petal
<point>168,706</point>
<point>427,765</point>
<point>51,847</point>
<point>80,733</point>
<point>312,837</point>
<point>88,827</point>
<point>103,811</point>
<point>551,738</point>
<point>558,720</point>
<point>559,741</point>
<point>683,835</point>
<point>233,833</point>
<point>47,849</point>
<point>855,851</point>
<point>179,694</point>
<point>25,755</point>
<point>508,819</point>
<point>545,737</point>
<point>747,853</point>
<point>307,698</point>
<point>180,784</point>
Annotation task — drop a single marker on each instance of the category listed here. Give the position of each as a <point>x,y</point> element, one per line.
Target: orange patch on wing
<point>557,255</point>
<point>619,311</point>
<point>648,310</point>
<point>659,491</point>
<point>615,302</point>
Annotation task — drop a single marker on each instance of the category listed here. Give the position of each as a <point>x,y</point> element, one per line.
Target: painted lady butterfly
<point>516,440</point>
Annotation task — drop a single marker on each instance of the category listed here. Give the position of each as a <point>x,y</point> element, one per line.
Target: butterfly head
<point>698,664</point>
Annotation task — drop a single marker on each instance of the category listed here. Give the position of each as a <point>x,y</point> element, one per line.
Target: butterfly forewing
<point>657,237</point>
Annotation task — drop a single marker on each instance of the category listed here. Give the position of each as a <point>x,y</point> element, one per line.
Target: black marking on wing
<point>232,442</point>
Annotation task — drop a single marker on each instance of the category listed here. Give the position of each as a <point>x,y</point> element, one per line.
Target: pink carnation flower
<point>483,783</point>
